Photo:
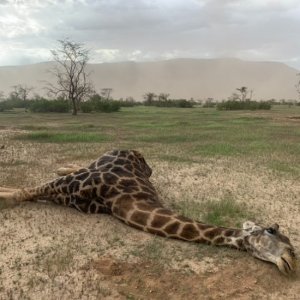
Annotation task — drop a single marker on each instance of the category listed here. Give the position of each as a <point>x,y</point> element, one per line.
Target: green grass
<point>285,168</point>
<point>223,212</point>
<point>14,163</point>
<point>55,137</point>
<point>174,134</point>
<point>218,149</point>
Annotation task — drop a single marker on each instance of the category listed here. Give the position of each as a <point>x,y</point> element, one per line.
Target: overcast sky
<point>147,30</point>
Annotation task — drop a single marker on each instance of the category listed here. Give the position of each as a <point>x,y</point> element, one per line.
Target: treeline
<point>183,103</point>
<point>162,100</point>
<point>95,103</point>
<point>243,105</point>
<point>247,104</point>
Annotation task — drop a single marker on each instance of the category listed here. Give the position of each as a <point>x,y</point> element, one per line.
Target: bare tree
<point>70,71</point>
<point>105,92</point>
<point>21,92</point>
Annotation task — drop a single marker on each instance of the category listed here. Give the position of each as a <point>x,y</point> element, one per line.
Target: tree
<point>73,82</point>
<point>106,93</point>
<point>149,97</point>
<point>163,97</point>
<point>243,93</point>
<point>20,92</point>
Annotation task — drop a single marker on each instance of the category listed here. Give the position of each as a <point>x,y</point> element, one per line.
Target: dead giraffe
<point>118,184</point>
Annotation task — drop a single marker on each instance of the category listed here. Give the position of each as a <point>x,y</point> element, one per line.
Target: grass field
<point>171,134</point>
<point>220,167</point>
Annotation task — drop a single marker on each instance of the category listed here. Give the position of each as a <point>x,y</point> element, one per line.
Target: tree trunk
<point>74,109</point>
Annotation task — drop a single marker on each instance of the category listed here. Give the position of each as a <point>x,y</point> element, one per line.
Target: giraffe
<point>118,184</point>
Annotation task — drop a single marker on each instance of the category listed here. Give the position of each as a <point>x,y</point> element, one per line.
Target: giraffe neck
<point>164,222</point>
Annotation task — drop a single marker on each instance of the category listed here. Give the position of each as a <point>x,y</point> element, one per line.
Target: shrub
<point>13,103</point>
<point>100,104</point>
<point>128,102</point>
<point>44,105</point>
<point>4,106</point>
<point>182,103</point>
<point>86,107</point>
<point>209,103</point>
<point>107,106</point>
<point>243,105</point>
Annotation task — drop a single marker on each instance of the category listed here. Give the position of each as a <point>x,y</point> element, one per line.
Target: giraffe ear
<point>251,226</point>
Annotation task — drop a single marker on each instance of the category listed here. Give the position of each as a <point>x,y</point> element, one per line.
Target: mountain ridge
<point>181,77</point>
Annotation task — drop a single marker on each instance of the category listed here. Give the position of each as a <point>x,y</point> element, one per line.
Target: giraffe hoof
<point>62,171</point>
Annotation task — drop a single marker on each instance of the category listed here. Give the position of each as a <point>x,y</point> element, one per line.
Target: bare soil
<point>52,252</point>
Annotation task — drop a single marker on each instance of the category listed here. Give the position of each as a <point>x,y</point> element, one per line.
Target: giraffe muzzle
<point>287,263</point>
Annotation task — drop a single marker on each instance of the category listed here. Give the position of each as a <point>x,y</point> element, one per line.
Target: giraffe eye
<point>271,230</point>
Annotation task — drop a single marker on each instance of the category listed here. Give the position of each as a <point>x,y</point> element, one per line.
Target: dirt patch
<point>52,252</point>
<point>143,281</point>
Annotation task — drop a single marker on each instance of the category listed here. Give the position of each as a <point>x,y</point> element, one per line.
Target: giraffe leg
<point>5,196</point>
<point>68,169</point>
<point>11,197</point>
<point>4,189</point>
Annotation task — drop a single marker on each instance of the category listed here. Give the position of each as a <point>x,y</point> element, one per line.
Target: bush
<point>10,104</point>
<point>107,106</point>
<point>243,105</point>
<point>44,106</point>
<point>4,106</point>
<point>183,103</point>
<point>86,107</point>
<point>128,102</point>
<point>100,104</point>
<point>209,104</point>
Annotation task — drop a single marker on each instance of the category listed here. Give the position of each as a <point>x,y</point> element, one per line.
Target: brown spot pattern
<point>189,232</point>
<point>172,228</point>
<point>211,233</point>
<point>140,217</point>
<point>159,221</point>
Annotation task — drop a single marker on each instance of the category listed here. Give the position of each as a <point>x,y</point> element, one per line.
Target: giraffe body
<point>118,184</point>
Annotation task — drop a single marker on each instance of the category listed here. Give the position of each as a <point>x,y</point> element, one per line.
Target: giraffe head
<point>141,163</point>
<point>267,243</point>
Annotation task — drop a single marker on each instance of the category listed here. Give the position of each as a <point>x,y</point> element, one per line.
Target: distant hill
<point>181,78</point>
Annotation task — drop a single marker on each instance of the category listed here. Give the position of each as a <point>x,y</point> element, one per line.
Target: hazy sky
<point>118,30</point>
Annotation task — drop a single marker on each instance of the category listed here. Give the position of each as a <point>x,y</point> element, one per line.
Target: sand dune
<point>181,78</point>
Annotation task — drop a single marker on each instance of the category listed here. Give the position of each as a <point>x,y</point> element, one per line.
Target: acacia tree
<point>72,79</point>
<point>243,93</point>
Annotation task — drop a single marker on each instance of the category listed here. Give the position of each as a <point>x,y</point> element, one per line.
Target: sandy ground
<point>52,252</point>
